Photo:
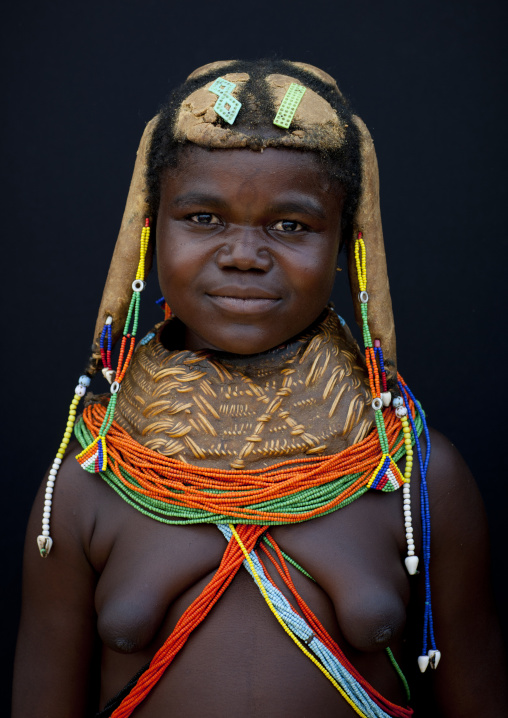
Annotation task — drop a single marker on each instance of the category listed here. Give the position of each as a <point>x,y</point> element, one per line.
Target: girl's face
<point>247,245</point>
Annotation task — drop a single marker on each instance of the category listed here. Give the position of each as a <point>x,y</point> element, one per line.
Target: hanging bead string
<point>411,560</point>
<point>106,335</point>
<point>430,656</point>
<point>387,469</point>
<point>94,457</point>
<point>386,396</point>
<point>402,406</point>
<point>376,367</point>
<point>380,358</point>
<point>44,540</point>
<point>370,356</point>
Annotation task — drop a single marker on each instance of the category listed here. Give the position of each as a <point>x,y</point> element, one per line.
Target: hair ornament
<point>289,105</point>
<point>226,106</point>
<point>94,457</point>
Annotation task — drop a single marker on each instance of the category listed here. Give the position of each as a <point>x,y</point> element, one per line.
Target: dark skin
<point>247,246</point>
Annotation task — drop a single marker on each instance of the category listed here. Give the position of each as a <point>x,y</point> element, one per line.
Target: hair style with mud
<point>255,121</point>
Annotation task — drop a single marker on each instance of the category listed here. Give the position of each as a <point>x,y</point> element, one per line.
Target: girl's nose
<point>245,249</point>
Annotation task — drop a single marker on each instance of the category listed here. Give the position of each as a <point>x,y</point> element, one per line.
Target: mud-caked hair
<point>336,144</point>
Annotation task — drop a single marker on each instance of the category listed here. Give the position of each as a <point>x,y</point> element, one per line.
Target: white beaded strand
<point>411,560</point>
<point>44,540</point>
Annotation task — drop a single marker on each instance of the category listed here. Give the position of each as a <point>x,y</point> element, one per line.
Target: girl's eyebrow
<point>305,205</point>
<point>195,198</point>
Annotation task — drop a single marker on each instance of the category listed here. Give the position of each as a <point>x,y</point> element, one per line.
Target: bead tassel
<point>94,457</point>
<point>430,656</point>
<point>44,540</point>
<point>402,407</point>
<point>387,470</point>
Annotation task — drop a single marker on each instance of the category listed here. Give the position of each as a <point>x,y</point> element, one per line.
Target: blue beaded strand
<point>381,360</point>
<point>106,335</point>
<point>428,621</point>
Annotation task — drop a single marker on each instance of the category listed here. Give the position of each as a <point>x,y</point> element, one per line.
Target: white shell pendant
<point>423,662</point>
<point>386,398</point>
<point>109,374</point>
<point>434,658</point>
<point>411,564</point>
<point>44,543</point>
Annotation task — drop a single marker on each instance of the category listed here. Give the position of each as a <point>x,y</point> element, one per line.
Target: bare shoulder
<point>455,501</point>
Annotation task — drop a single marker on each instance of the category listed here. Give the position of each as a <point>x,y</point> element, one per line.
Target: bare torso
<point>120,580</point>
<point>239,656</point>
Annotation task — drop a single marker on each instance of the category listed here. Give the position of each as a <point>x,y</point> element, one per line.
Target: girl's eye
<point>204,218</point>
<point>288,225</point>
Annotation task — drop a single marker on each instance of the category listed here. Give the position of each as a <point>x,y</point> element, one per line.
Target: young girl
<point>265,525</point>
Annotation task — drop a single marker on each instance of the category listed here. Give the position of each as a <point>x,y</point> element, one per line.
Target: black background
<point>80,82</point>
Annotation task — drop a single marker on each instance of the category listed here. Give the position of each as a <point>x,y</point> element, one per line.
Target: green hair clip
<point>226,106</point>
<point>289,105</point>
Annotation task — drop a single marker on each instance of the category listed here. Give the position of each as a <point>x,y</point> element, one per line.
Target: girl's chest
<point>150,571</point>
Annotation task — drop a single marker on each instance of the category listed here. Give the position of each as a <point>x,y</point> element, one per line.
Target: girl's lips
<point>243,305</point>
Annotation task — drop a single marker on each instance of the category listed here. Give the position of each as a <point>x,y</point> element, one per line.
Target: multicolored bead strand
<point>44,540</point>
<point>291,491</point>
<point>411,560</point>
<point>334,666</point>
<point>386,396</point>
<point>107,370</point>
<point>165,307</point>
<point>294,563</point>
<point>387,470</point>
<point>401,406</point>
<point>94,457</point>
<point>428,656</point>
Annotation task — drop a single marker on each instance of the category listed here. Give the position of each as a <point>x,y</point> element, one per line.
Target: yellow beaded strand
<point>361,262</point>
<point>145,238</point>
<point>44,540</point>
<point>411,561</point>
<point>406,429</point>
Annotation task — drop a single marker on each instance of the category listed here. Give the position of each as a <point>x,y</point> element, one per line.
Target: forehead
<point>271,171</point>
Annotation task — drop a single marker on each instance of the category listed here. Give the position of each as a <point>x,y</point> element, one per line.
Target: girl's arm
<point>471,679</point>
<point>54,658</point>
